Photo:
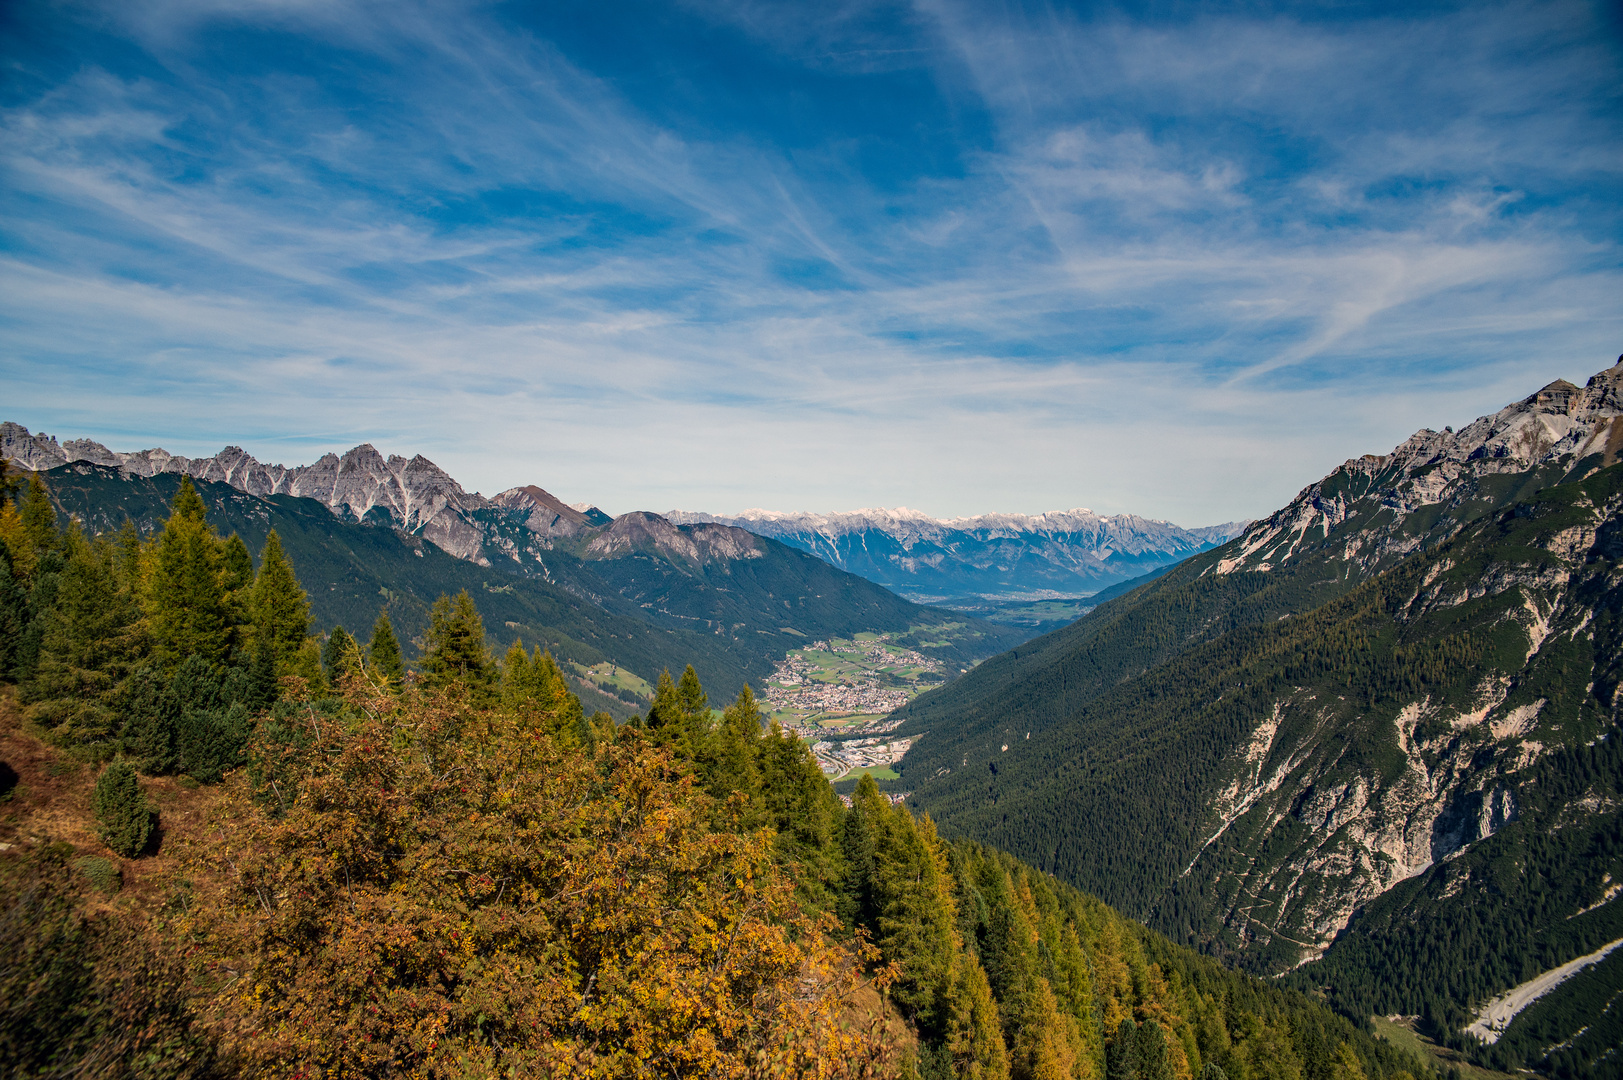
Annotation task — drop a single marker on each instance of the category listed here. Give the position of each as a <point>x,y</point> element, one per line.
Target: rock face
<point>414,495</point>
<point>1445,470</point>
<point>1389,714</point>
<point>1072,552</point>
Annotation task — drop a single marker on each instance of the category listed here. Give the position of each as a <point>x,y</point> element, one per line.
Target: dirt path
<point>1497,1014</point>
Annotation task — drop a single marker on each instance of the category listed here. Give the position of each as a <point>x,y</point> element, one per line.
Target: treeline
<point>160,649</point>
<point>458,872</point>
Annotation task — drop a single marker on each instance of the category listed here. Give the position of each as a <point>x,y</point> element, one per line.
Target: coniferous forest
<point>241,848</point>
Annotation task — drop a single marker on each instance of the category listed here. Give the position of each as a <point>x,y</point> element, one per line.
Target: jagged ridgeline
<point>636,592</point>
<point>1376,735</point>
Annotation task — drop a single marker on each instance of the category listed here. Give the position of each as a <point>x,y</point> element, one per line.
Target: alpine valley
<point>1370,746</point>
<point>637,593</point>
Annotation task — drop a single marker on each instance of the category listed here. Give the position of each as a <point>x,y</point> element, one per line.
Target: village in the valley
<point>835,689</point>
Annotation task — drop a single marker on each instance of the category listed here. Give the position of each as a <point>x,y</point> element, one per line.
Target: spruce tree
<point>122,810</point>
<point>383,651</point>
<point>187,604</point>
<point>1121,1056</point>
<point>15,615</point>
<point>149,716</point>
<point>279,608</point>
<point>89,641</point>
<point>338,654</point>
<point>38,516</point>
<point>456,650</point>
<point>1153,1062</point>
<point>1212,1071</point>
<point>127,565</point>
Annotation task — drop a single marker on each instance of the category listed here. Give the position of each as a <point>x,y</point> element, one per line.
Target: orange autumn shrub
<point>421,888</point>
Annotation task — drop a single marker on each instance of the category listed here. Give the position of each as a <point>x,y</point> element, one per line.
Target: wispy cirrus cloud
<point>963,257</point>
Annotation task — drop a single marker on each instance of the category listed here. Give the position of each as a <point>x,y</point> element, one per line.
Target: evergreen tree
<point>15,615</point>
<point>728,765</point>
<point>90,639</point>
<point>456,650</point>
<point>149,715</point>
<point>237,566</point>
<point>279,607</point>
<point>1153,1061</point>
<point>339,654</point>
<point>122,810</point>
<point>665,710</point>
<point>38,516</point>
<point>692,700</point>
<point>1121,1055</point>
<point>187,604</point>
<point>383,651</point>
<point>534,686</point>
<point>1212,1071</point>
<point>127,565</point>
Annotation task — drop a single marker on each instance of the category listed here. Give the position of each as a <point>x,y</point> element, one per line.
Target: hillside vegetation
<point>351,869</point>
<point>1379,744</point>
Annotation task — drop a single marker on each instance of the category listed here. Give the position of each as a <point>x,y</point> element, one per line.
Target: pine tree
<point>9,483</point>
<point>187,605</point>
<point>279,607</point>
<point>383,651</point>
<point>665,710</point>
<point>149,716</point>
<point>456,650</point>
<point>122,810</point>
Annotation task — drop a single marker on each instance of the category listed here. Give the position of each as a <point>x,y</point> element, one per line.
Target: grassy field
<point>613,679</point>
<point>1405,1037</point>
<point>877,774</point>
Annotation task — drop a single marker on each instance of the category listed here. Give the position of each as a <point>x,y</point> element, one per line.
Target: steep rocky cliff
<point>1374,738</point>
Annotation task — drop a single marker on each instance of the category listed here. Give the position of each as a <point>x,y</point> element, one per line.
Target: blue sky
<point>1178,260</point>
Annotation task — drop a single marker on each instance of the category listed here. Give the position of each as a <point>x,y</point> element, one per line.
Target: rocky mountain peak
<point>696,544</point>
<point>1559,427</point>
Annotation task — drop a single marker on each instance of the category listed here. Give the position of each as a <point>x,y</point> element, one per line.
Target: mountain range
<point>1372,742</point>
<point>616,599</point>
<point>998,556</point>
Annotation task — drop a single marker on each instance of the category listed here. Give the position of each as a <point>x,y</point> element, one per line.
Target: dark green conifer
<point>278,606</point>
<point>187,604</point>
<point>15,615</point>
<point>1121,1055</point>
<point>149,715</point>
<point>338,654</point>
<point>383,651</point>
<point>39,516</point>
<point>1153,1062</point>
<point>122,810</point>
<point>456,650</point>
<point>127,565</point>
<point>88,643</point>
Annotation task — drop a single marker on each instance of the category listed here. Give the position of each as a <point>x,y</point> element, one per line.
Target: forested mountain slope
<point>639,592</point>
<point>1347,726</point>
<point>230,848</point>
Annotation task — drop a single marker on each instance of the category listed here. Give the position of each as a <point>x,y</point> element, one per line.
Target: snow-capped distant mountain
<point>1070,552</point>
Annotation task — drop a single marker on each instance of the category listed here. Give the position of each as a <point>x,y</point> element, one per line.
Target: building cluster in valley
<point>879,752</point>
<point>801,683</point>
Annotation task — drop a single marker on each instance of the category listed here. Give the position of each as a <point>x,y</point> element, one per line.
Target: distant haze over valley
<point>1001,556</point>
